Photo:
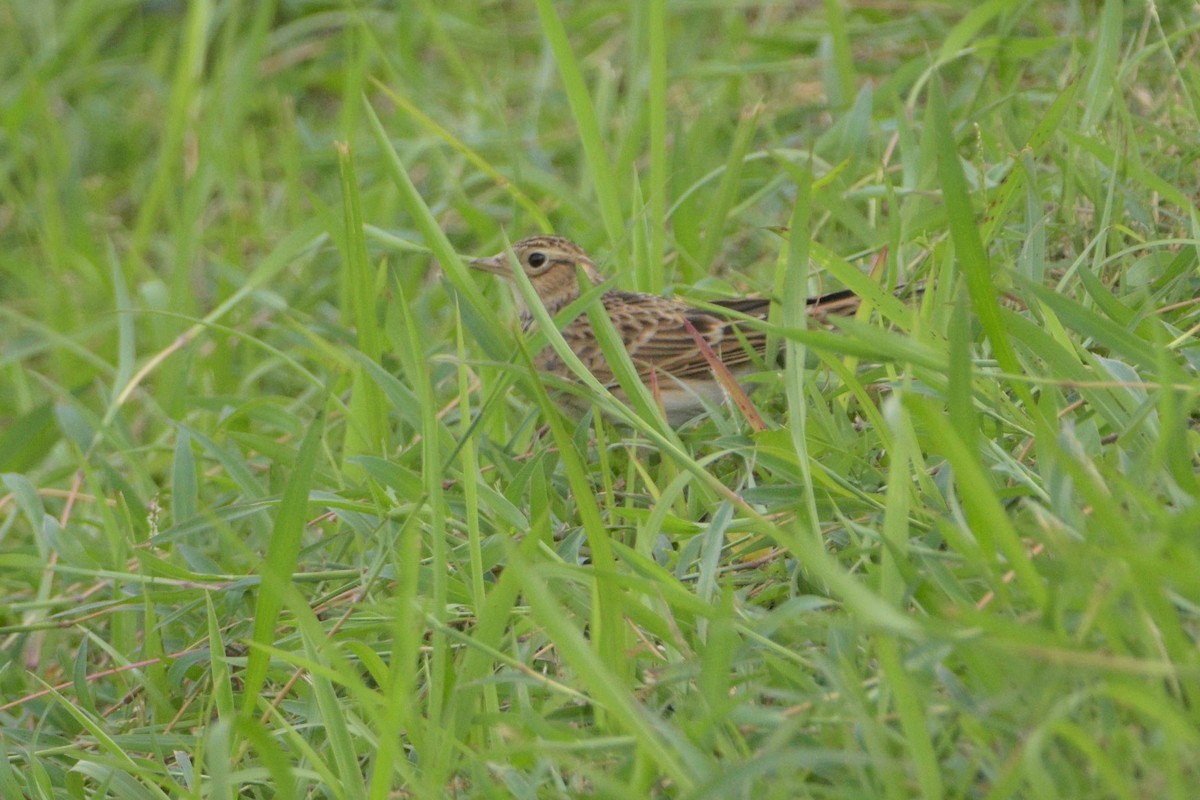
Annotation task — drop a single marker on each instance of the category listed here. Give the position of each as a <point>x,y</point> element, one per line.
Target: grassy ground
<point>276,520</point>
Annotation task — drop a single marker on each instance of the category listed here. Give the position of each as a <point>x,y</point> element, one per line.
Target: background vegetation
<point>276,517</point>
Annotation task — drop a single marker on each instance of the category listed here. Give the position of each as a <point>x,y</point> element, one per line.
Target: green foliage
<point>286,512</point>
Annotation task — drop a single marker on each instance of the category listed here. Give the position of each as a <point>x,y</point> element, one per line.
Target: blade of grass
<point>435,743</point>
<point>186,84</point>
<point>450,262</point>
<point>1048,127</point>
<point>793,288</point>
<point>366,429</point>
<point>1102,71</point>
<point>331,711</point>
<point>607,627</point>
<point>989,523</point>
<point>584,114</point>
<point>482,164</point>
<point>280,562</point>
<point>659,167</point>
<point>840,77</point>
<point>969,252</point>
<point>184,492</point>
<point>907,697</point>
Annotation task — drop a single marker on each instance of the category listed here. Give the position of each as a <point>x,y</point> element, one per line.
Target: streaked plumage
<point>653,328</point>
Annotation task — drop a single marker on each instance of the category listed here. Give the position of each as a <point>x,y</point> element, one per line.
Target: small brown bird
<point>655,329</point>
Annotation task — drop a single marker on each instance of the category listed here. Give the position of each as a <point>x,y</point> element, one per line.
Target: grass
<point>276,518</point>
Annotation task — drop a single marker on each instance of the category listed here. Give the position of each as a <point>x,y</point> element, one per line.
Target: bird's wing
<point>655,330</point>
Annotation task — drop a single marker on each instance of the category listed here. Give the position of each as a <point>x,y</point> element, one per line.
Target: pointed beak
<point>497,264</point>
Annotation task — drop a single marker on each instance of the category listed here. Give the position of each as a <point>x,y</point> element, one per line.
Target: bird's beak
<point>497,264</point>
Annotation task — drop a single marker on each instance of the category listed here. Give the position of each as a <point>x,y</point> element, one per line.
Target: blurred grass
<point>276,519</point>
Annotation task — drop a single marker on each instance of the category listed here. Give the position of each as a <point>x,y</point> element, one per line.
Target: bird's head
<point>550,263</point>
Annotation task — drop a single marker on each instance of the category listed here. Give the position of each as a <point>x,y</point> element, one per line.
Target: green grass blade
<point>964,231</point>
<point>280,561</point>
<point>588,126</point>
<point>367,431</point>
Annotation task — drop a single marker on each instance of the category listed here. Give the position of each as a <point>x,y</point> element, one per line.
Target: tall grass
<point>287,511</point>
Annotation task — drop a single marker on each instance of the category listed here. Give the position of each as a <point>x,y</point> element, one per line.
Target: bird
<point>659,333</point>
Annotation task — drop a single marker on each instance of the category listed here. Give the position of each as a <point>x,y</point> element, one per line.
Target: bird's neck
<point>560,288</point>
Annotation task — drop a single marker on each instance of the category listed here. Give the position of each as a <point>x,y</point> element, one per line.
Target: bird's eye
<point>536,259</point>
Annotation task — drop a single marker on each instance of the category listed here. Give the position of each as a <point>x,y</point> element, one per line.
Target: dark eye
<point>537,259</point>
